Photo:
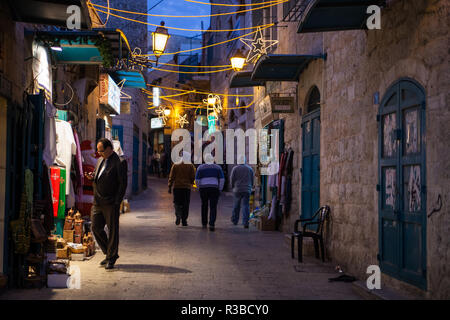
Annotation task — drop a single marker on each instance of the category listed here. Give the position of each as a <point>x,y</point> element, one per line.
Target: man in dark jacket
<point>110,183</point>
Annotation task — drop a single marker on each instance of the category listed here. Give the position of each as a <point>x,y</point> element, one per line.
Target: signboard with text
<point>109,93</point>
<point>282,104</point>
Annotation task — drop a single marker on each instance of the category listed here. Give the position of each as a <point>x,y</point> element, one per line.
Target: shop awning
<point>84,47</point>
<point>243,79</point>
<point>334,15</point>
<point>52,12</point>
<point>133,79</point>
<point>281,67</point>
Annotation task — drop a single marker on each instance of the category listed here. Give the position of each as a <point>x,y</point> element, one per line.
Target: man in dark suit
<point>110,183</point>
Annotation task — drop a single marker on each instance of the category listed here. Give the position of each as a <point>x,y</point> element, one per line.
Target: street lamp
<point>237,61</point>
<point>160,37</point>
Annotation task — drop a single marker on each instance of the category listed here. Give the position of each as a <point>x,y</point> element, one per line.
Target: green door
<point>402,200</point>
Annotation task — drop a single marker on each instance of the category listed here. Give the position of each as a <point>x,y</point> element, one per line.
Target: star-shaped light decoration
<point>161,114</point>
<point>182,120</point>
<point>258,46</point>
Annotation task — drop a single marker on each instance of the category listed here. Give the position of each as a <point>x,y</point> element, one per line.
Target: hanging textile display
<point>66,148</point>
<point>78,169</point>
<point>58,179</point>
<point>55,176</point>
<point>62,195</point>
<point>21,228</point>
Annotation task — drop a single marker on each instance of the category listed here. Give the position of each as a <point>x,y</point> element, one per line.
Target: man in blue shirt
<point>210,181</point>
<point>242,177</point>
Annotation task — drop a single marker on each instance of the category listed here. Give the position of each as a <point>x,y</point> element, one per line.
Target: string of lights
<point>274,3</point>
<point>191,72</point>
<point>236,5</point>
<point>182,29</point>
<point>202,92</point>
<point>211,45</point>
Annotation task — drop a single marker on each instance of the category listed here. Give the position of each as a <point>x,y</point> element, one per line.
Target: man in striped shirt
<point>210,181</point>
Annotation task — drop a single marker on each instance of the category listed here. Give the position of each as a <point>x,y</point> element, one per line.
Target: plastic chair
<point>316,233</point>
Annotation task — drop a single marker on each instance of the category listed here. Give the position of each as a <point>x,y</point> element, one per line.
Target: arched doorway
<point>310,172</point>
<point>402,184</point>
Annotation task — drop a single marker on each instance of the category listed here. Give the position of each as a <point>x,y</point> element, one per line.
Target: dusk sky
<point>180,7</point>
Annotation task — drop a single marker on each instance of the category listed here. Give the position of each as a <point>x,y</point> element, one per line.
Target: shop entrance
<point>401,169</point>
<point>310,171</point>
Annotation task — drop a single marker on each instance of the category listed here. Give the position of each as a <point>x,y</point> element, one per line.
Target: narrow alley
<point>159,260</point>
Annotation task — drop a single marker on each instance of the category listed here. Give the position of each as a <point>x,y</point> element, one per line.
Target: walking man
<point>181,178</point>
<point>242,177</point>
<point>109,183</point>
<point>210,181</point>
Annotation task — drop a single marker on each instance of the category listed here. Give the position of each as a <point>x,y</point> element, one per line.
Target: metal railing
<point>293,10</point>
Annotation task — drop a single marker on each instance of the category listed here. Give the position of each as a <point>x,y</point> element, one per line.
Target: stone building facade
<point>360,71</point>
<point>132,125</point>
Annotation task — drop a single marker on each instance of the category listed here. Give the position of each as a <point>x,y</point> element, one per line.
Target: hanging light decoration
<point>160,38</point>
<point>258,46</point>
<point>182,120</point>
<point>238,61</point>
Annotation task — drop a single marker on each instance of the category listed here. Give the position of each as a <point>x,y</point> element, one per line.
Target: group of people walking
<point>210,180</point>
<point>109,181</point>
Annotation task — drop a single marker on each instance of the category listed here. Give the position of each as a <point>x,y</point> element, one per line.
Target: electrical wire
<point>212,45</point>
<point>274,3</point>
<point>183,29</point>
<point>236,5</point>
<point>190,66</point>
<point>202,92</point>
<point>192,72</point>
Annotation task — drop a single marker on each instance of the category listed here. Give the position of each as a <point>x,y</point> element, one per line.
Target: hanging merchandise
<point>79,182</point>
<point>62,196</point>
<point>66,148</point>
<point>55,176</point>
<point>21,228</point>
<point>49,153</point>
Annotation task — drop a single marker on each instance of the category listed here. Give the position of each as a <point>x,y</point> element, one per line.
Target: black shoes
<point>204,226</point>
<point>246,226</point>
<point>211,228</point>
<point>177,222</point>
<point>184,223</point>
<point>110,263</point>
<point>104,262</point>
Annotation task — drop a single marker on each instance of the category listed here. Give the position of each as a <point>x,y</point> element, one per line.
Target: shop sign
<point>109,93</point>
<point>42,69</point>
<point>156,123</point>
<point>265,111</point>
<point>282,104</point>
<point>156,100</point>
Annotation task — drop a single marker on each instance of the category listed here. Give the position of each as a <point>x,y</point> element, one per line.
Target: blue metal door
<point>402,200</point>
<point>135,179</point>
<point>310,171</point>
<point>117,134</point>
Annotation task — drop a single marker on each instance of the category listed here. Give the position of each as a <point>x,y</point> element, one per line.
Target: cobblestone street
<point>159,260</point>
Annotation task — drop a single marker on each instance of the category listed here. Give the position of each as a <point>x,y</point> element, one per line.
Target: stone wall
<point>413,43</point>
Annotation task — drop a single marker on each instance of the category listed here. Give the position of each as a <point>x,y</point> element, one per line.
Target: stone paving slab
<point>159,260</point>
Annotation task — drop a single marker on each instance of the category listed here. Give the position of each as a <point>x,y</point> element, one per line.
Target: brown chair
<point>317,222</point>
